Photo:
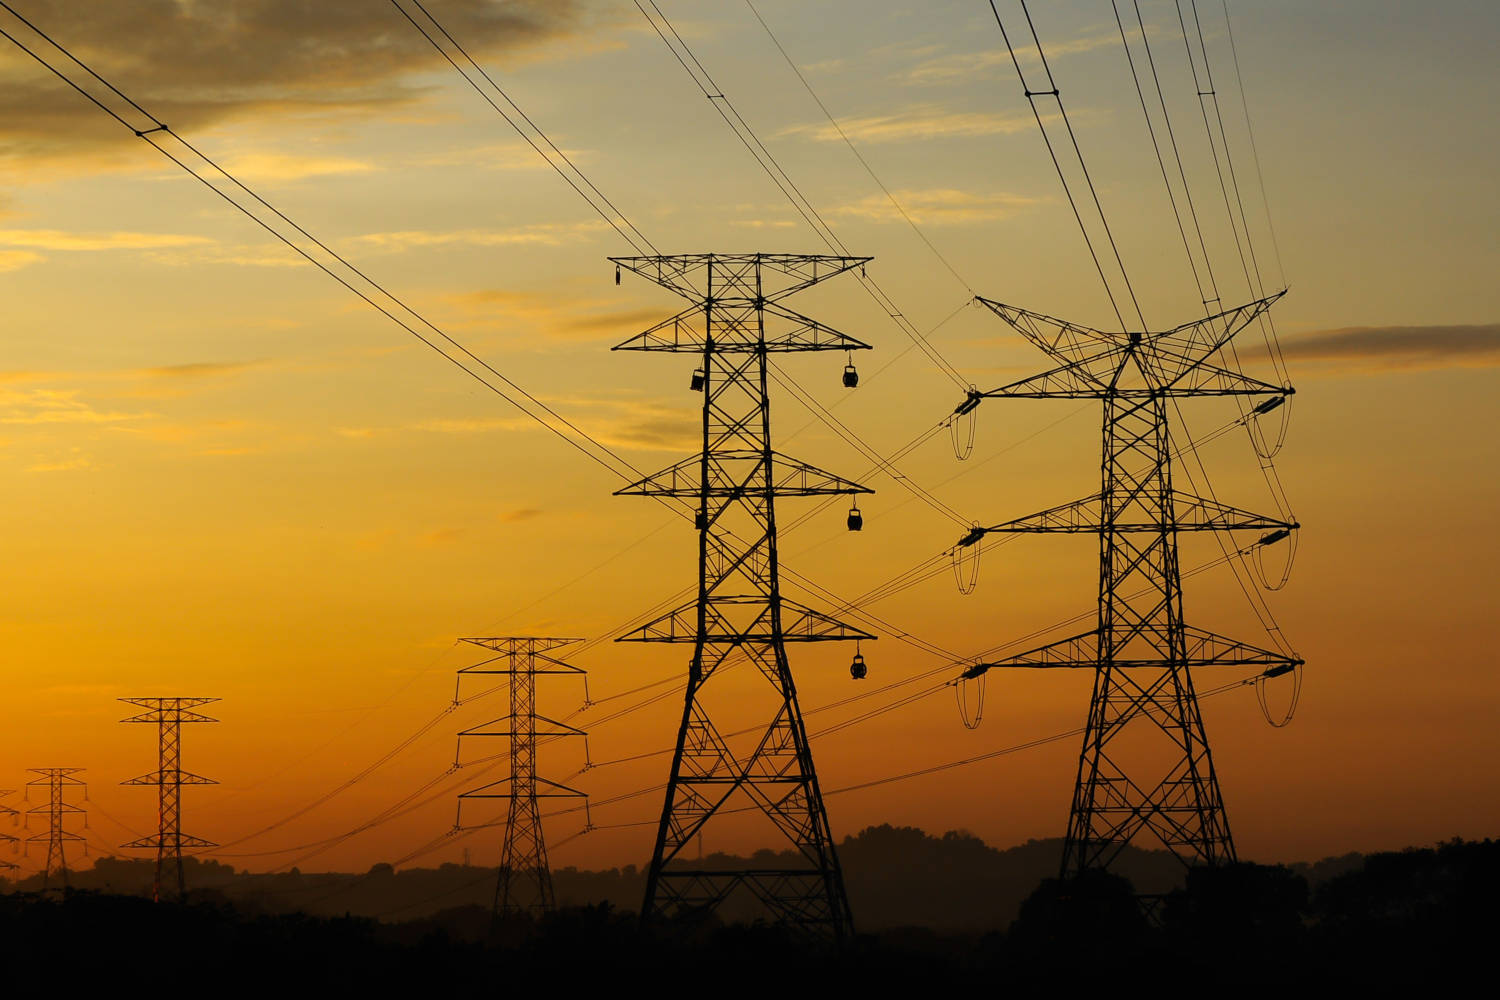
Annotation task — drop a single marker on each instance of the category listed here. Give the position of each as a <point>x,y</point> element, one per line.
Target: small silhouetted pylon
<point>6,810</point>
<point>169,714</point>
<point>58,780</point>
<point>525,883</point>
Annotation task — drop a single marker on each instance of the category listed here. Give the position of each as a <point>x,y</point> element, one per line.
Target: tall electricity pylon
<point>57,810</point>
<point>525,884</point>
<point>169,714</point>
<point>735,322</point>
<point>1145,763</point>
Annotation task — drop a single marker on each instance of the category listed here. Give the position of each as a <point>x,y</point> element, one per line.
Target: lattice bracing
<point>1145,764</point>
<point>169,714</point>
<point>734,323</point>
<point>525,878</point>
<point>58,781</point>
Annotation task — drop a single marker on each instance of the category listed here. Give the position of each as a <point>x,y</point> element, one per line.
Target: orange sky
<point>229,477</point>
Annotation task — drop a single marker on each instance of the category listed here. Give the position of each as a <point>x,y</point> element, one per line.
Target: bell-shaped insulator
<point>857,668</point>
<point>851,376</point>
<point>856,519</point>
<point>697,382</point>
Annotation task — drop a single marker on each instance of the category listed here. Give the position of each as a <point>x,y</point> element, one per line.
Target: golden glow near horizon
<point>226,476</point>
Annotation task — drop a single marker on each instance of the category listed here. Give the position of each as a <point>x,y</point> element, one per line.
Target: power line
<point>716,96</point>
<point>555,157</point>
<point>857,154</point>
<point>1056,94</point>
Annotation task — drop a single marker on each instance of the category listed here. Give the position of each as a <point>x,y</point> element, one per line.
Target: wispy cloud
<point>962,66</point>
<point>57,239</point>
<point>548,234</point>
<point>198,369</point>
<point>938,206</point>
<point>557,317</point>
<point>76,461</point>
<point>55,406</point>
<point>496,156</point>
<point>289,167</point>
<point>14,260</point>
<point>916,123</point>
<point>1400,347</point>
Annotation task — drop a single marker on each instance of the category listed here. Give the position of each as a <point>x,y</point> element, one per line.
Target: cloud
<point>1400,347</point>
<point>546,234</point>
<point>938,206</point>
<point>558,317</point>
<point>625,322</point>
<point>55,406</point>
<point>963,66</point>
<point>286,167</point>
<point>197,64</point>
<point>523,514</point>
<point>496,156</point>
<point>198,369</point>
<point>922,122</point>
<point>57,239</point>
<point>764,223</point>
<point>477,425</point>
<point>76,462</point>
<point>623,423</point>
<point>14,260</point>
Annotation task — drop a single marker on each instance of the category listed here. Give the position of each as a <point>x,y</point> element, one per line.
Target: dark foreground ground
<point>1413,920</point>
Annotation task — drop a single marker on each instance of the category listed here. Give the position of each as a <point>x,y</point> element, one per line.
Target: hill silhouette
<point>896,877</point>
<point>1418,919</point>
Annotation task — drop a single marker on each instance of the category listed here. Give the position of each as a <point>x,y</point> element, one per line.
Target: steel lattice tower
<point>525,883</point>
<point>1145,762</point>
<point>57,810</point>
<point>735,322</point>
<point>169,714</point>
<point>6,838</point>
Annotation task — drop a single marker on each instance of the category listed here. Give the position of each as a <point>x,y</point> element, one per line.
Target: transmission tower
<point>57,810</point>
<point>735,322</point>
<point>6,838</point>
<point>1145,763</point>
<point>169,714</point>
<point>525,884</point>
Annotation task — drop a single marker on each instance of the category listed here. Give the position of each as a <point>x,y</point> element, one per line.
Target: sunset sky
<point>227,476</point>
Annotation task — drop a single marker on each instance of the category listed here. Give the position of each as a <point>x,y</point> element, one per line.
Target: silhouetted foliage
<point>1416,919</point>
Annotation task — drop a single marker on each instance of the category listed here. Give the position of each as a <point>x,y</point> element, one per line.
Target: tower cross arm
<point>1202,649</point>
<point>169,776</point>
<point>1188,513</point>
<point>687,274</point>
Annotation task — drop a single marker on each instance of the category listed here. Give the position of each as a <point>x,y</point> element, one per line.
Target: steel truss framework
<point>525,883</point>
<point>57,781</point>
<point>736,320</point>
<point>1145,764</point>
<point>6,838</point>
<point>169,714</point>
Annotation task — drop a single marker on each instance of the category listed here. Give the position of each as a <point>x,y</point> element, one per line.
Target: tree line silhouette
<point>932,910</point>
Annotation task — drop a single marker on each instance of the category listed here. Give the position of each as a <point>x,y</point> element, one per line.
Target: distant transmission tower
<point>1145,763</point>
<point>57,810</point>
<point>169,714</point>
<point>734,324</point>
<point>525,884</point>
<point>6,838</point>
